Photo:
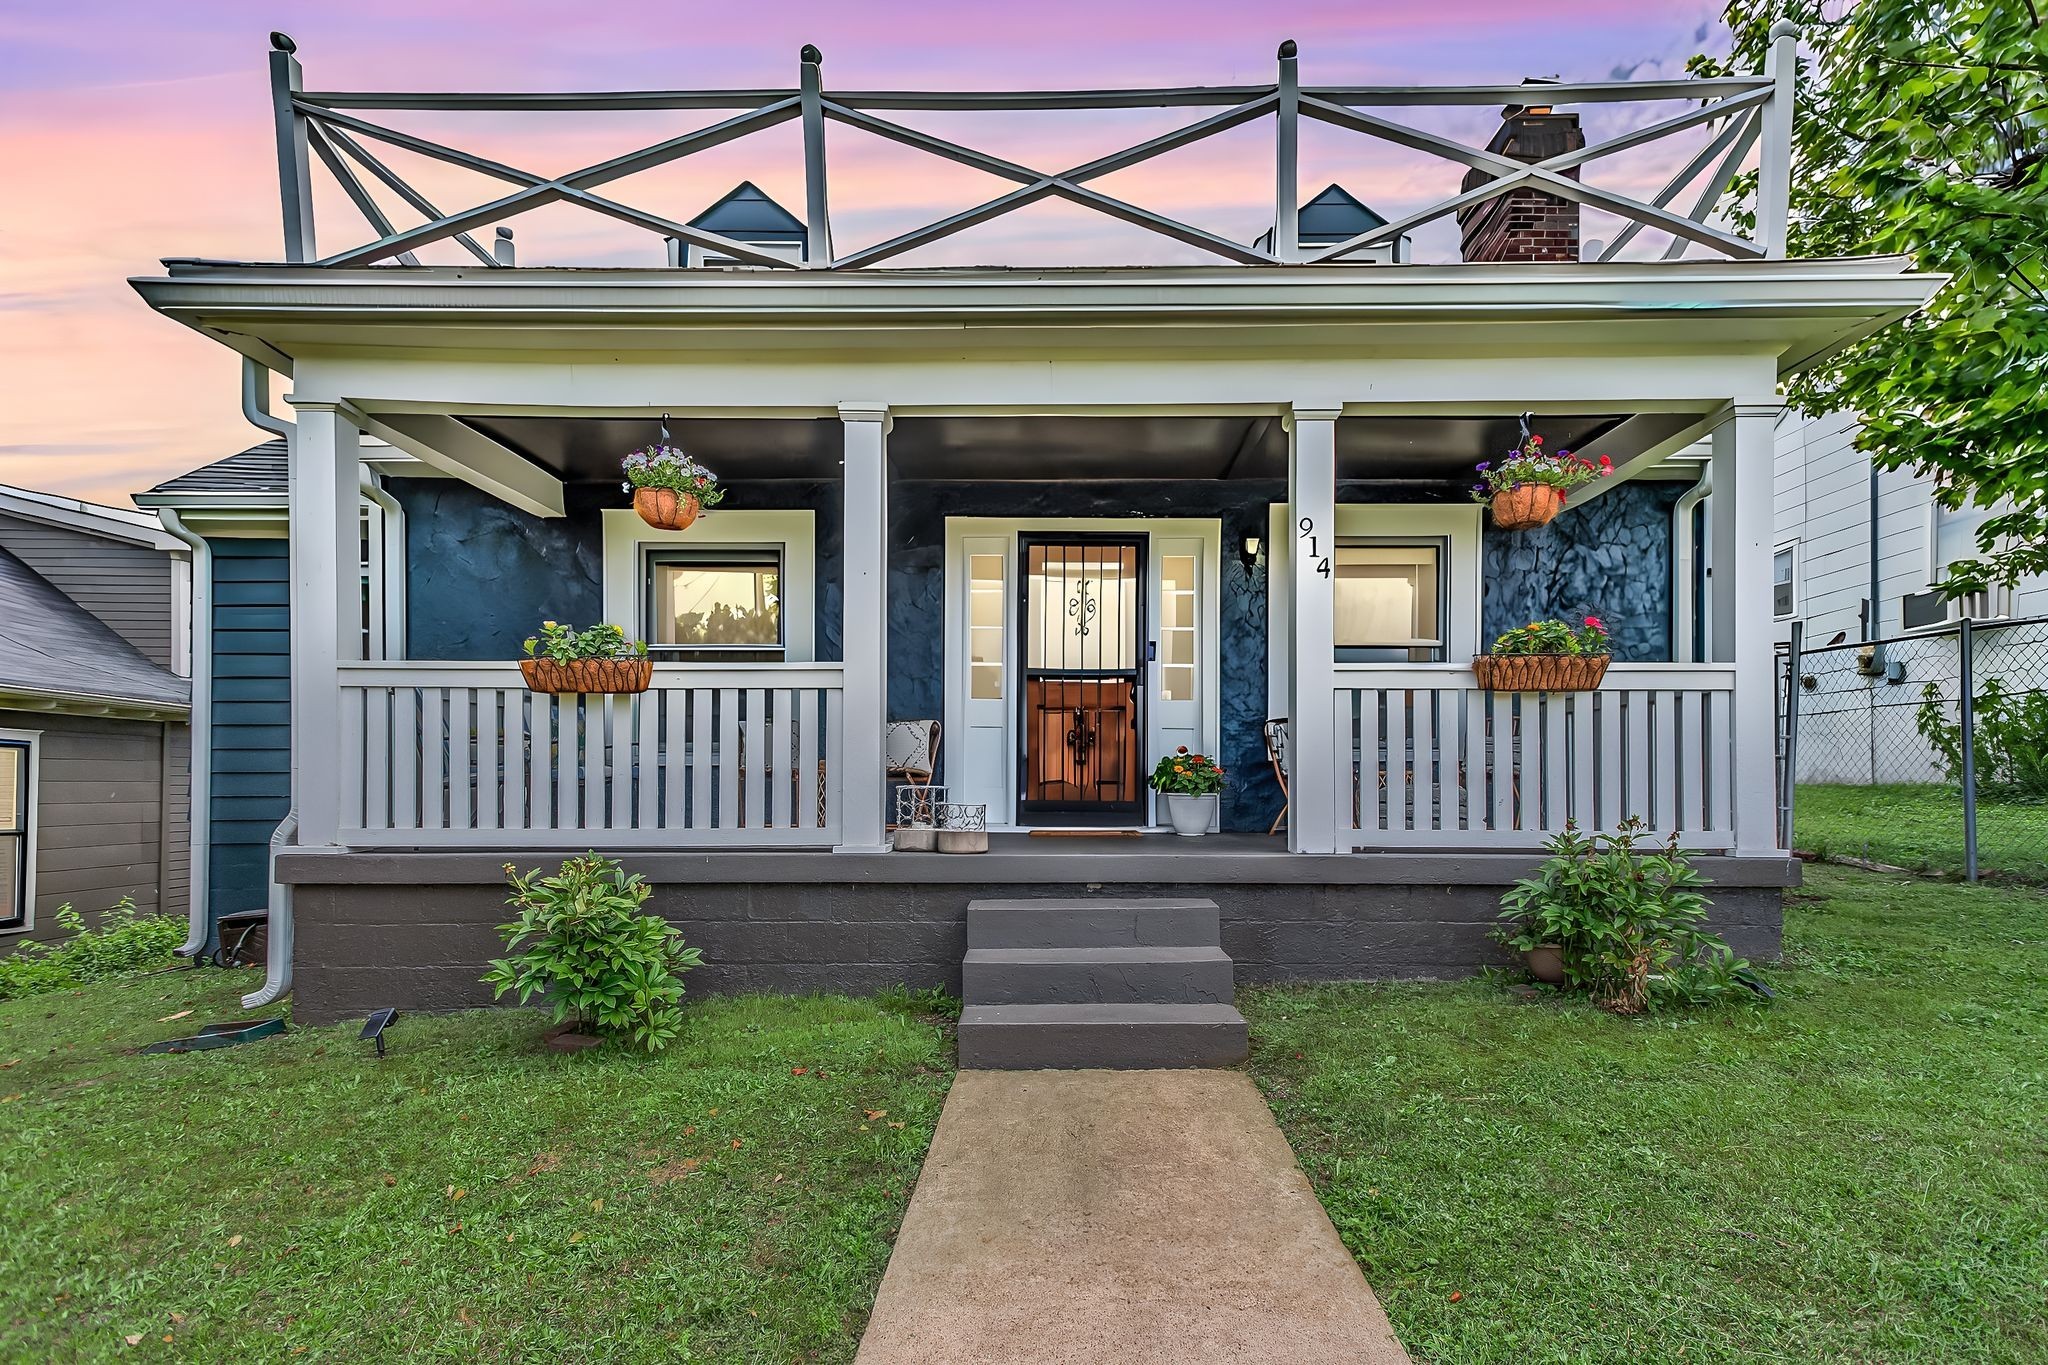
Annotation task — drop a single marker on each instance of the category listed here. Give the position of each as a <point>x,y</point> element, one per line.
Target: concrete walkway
<point>1118,1216</point>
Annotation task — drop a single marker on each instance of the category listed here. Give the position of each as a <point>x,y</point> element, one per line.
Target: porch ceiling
<point>1044,448</point>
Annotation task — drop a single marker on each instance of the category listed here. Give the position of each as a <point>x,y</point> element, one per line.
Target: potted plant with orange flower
<point>1528,487</point>
<point>1190,783</point>
<point>1547,656</point>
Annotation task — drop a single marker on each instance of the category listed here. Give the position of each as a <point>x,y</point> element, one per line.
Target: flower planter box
<point>1540,672</point>
<point>665,509</point>
<point>1526,507</point>
<point>588,675</point>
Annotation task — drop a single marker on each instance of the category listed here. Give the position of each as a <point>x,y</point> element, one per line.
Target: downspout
<point>391,603</point>
<point>1871,626</point>
<point>278,969</point>
<point>1684,556</point>
<point>199,823</point>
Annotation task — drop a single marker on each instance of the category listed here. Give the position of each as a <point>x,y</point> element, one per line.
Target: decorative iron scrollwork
<point>1083,608</point>
<point>1081,738</point>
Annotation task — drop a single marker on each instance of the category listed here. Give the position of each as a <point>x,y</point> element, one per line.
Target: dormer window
<point>745,215</point>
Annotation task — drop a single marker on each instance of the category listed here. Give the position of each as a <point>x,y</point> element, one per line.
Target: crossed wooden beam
<point>334,137</point>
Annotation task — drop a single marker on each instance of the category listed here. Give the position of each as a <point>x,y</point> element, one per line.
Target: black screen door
<point>1081,641</point>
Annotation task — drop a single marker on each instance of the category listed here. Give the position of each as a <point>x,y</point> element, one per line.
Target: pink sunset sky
<point>135,131</point>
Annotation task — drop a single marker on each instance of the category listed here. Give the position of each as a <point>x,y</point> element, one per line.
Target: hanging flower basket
<point>598,660</point>
<point>1546,656</point>
<point>1527,507</point>
<point>669,488</point>
<point>587,675</point>
<point>1540,672</point>
<point>1528,486</point>
<point>665,509</point>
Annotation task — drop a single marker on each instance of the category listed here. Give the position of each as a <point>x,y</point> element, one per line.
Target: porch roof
<point>1795,310</point>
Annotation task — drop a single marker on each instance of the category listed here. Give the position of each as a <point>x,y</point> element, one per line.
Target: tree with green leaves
<point>1922,131</point>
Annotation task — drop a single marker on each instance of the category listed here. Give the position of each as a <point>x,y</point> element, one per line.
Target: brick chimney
<point>1525,224</point>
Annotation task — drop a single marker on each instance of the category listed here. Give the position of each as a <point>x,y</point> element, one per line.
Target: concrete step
<point>1097,922</point>
<point>1119,1037</point>
<point>1088,976</point>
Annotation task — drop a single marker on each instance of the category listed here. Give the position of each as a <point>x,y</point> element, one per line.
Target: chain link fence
<point>1927,751</point>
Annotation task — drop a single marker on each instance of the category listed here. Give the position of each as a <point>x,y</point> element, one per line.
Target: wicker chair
<point>910,750</point>
<point>1275,731</point>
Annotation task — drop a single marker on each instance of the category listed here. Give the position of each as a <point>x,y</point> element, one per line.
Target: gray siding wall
<point>126,586</point>
<point>99,818</point>
<point>1822,501</point>
<point>251,717</point>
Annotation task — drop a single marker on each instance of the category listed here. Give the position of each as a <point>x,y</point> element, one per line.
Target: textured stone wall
<point>1610,558</point>
<point>482,575</point>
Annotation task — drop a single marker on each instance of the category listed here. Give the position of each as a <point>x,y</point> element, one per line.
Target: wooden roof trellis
<point>1748,109</point>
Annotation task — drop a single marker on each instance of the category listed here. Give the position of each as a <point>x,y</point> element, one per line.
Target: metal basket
<point>917,818</point>
<point>963,827</point>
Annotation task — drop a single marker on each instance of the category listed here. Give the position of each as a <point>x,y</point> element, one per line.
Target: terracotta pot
<point>665,509</point>
<point>1540,672</point>
<point>587,675</point>
<point>1546,964</point>
<point>1526,506</point>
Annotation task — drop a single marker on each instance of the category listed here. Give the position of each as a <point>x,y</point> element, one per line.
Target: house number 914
<point>1315,553</point>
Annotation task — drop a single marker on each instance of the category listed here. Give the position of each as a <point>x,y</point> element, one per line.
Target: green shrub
<point>2011,740</point>
<point>1628,918</point>
<point>582,943</point>
<point>123,942</point>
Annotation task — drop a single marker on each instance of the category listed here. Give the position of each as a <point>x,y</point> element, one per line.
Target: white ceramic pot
<point>1190,815</point>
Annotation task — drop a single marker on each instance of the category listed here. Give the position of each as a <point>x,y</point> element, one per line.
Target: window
<point>1389,601</point>
<point>1784,601</point>
<point>986,599</point>
<point>1178,588</point>
<point>726,600</point>
<point>17,761</point>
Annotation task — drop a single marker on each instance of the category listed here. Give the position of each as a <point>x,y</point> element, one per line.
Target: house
<point>1079,516</point>
<point>1848,535</point>
<point>94,746</point>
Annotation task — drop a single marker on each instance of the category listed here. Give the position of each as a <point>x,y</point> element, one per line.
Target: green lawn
<point>1920,826</point>
<point>469,1197</point>
<point>1859,1173</point>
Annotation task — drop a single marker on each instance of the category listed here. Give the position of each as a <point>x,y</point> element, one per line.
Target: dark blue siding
<point>251,769</point>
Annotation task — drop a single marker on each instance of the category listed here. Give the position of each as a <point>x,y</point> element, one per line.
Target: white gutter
<point>1691,595</point>
<point>256,400</point>
<point>199,822</point>
<point>278,969</point>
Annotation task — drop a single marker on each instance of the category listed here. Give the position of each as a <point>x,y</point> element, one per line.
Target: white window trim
<point>791,533</point>
<point>1780,548</point>
<point>34,826</point>
<point>1454,524</point>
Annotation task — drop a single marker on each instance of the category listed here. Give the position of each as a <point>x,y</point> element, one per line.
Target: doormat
<point>1087,834</point>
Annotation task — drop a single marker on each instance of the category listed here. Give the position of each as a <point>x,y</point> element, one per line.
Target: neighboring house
<point>94,748</point>
<point>1079,516</point>
<point>1833,507</point>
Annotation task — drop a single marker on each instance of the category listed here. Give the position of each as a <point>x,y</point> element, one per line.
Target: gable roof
<point>122,524</point>
<point>1336,215</point>
<point>748,215</point>
<point>52,648</point>
<point>260,469</point>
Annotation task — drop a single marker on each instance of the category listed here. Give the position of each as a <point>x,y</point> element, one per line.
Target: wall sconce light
<point>1248,551</point>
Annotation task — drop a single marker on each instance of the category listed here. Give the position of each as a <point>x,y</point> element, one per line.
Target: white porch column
<point>864,634</point>
<point>1740,524</point>
<point>326,598</point>
<point>1311,707</point>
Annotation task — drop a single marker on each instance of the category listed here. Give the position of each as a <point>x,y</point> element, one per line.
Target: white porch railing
<point>462,755</point>
<point>1434,761</point>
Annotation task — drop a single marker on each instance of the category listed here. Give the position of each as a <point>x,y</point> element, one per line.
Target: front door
<point>1082,657</point>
